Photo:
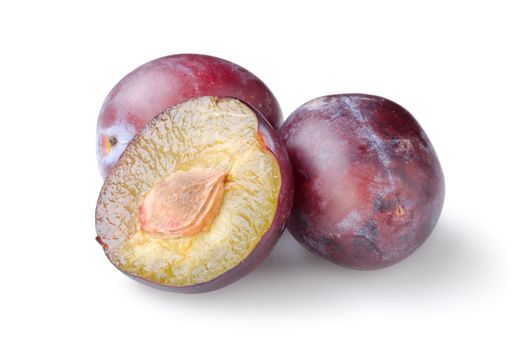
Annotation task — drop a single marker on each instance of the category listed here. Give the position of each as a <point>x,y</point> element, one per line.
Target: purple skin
<point>165,82</point>
<point>369,188</point>
<point>269,239</point>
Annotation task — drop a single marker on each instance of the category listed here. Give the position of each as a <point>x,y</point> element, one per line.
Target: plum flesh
<point>179,159</point>
<point>369,188</point>
<point>165,82</point>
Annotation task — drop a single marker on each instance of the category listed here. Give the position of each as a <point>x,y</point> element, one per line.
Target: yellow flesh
<point>202,133</point>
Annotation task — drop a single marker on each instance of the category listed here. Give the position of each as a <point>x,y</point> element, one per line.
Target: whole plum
<point>369,188</point>
<point>165,82</point>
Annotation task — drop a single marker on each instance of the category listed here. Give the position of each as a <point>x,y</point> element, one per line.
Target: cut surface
<point>235,183</point>
<point>183,203</point>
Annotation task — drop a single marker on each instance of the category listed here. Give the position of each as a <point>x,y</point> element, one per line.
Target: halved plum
<point>369,188</point>
<point>198,198</point>
<point>165,82</point>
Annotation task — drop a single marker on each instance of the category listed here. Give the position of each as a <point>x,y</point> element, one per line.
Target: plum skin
<point>369,188</point>
<point>165,82</point>
<point>264,247</point>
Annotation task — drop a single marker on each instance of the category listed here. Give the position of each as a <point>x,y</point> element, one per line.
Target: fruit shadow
<point>448,264</point>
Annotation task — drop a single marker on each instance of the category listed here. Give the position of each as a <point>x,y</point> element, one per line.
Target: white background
<point>453,64</point>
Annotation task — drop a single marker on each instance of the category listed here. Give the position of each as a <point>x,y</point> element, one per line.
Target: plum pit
<point>184,203</point>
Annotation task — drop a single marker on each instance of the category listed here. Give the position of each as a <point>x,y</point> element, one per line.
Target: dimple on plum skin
<point>165,82</point>
<point>369,188</point>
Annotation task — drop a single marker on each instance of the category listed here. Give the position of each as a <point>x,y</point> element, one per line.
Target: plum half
<point>165,82</point>
<point>369,188</point>
<point>198,198</point>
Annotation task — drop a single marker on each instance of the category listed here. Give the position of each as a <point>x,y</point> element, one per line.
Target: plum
<point>198,198</point>
<point>164,82</point>
<point>369,188</point>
